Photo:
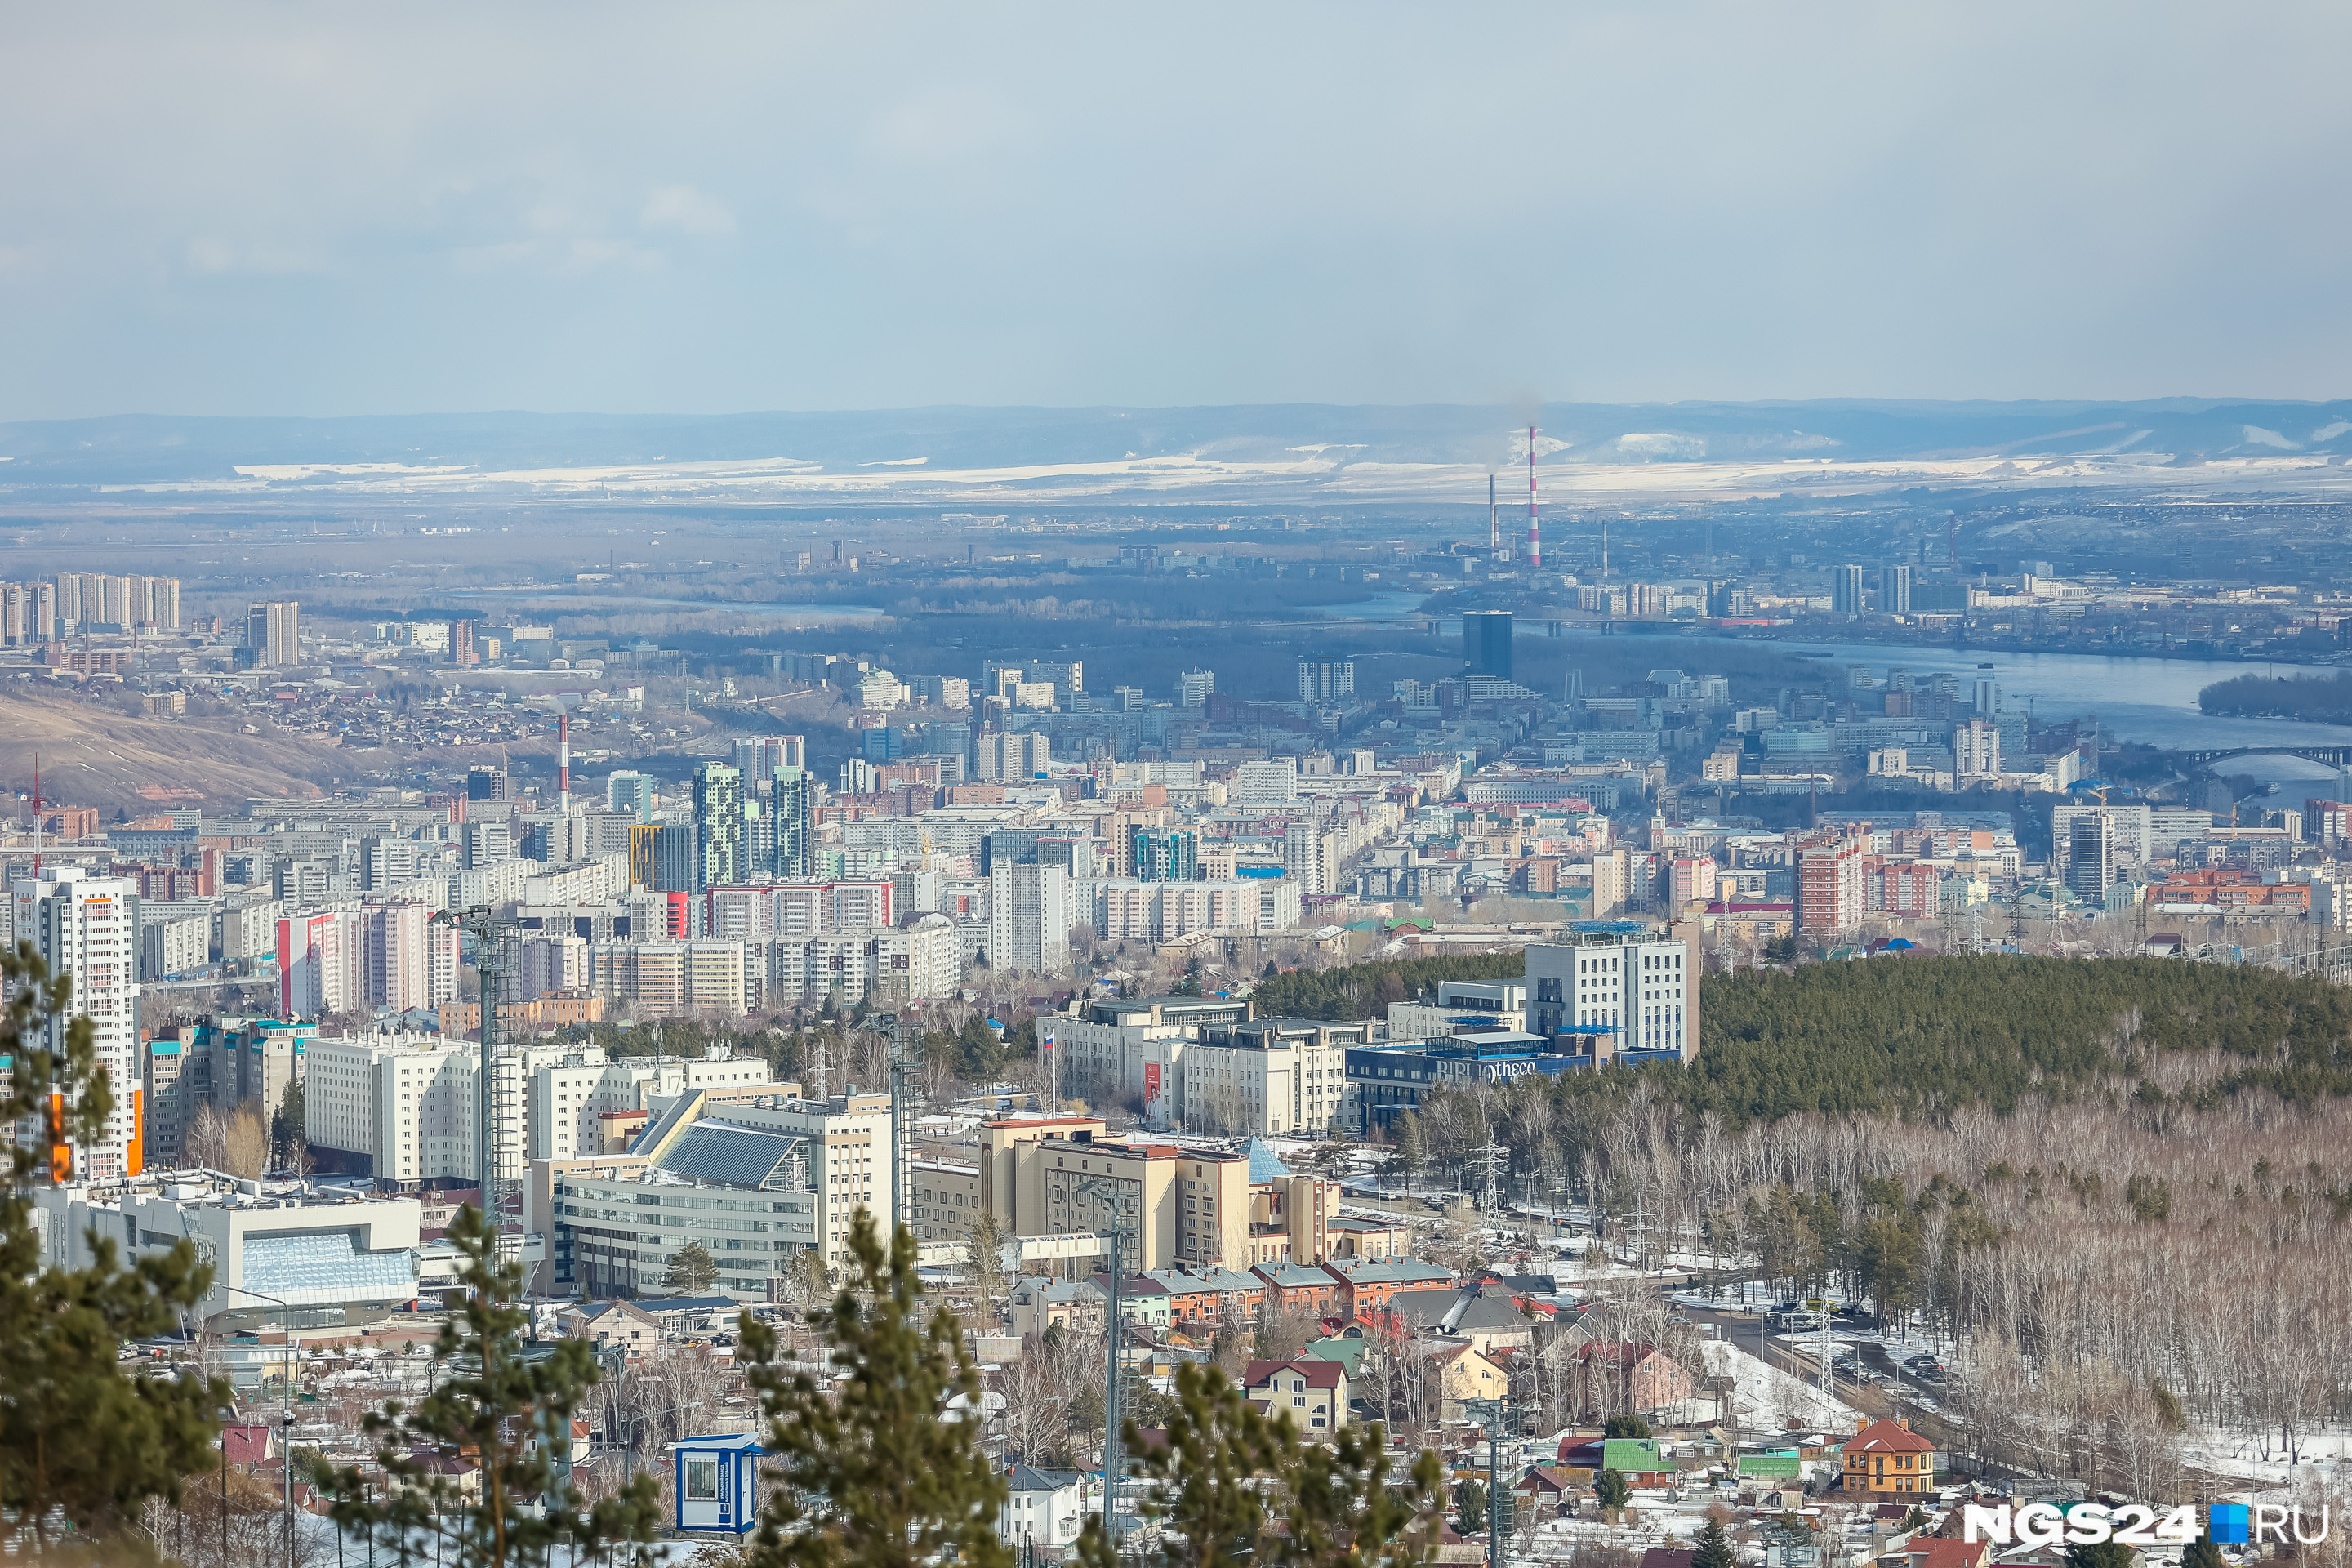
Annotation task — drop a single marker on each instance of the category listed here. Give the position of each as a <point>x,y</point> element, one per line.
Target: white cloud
<point>687,210</point>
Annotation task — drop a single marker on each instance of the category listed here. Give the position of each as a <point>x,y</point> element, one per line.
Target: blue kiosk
<point>717,1484</point>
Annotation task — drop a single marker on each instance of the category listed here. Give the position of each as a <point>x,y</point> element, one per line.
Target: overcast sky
<point>340,209</point>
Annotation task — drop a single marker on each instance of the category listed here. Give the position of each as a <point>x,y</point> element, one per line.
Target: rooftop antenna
<point>1534,534</point>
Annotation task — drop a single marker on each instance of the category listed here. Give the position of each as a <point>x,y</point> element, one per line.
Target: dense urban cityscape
<point>1172,918</point>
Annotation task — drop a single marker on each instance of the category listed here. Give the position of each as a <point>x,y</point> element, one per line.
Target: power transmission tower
<point>818,1075</point>
<point>1494,1160</point>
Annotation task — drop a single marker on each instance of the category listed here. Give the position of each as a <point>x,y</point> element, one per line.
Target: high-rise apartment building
<point>274,633</point>
<point>1164,854</point>
<point>1845,590</point>
<point>631,794</point>
<point>1984,694</point>
<point>1487,642</point>
<point>2090,855</point>
<point>759,758</point>
<point>1194,687</point>
<point>88,928</point>
<point>28,612</point>
<point>1895,588</point>
<point>791,818</point>
<point>719,826</point>
<point>1030,910</point>
<point>1830,885</point>
<point>406,960</point>
<point>1976,749</point>
<point>321,963</point>
<point>1612,884</point>
<point>487,842</point>
<point>1326,678</point>
<point>1010,755</point>
<point>1310,856</point>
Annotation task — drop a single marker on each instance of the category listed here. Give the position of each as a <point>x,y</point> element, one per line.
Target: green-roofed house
<point>1340,1348</point>
<point>1638,1460</point>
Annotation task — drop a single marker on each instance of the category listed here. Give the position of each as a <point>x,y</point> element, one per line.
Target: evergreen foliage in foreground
<point>511,1410</point>
<point>1231,1488</point>
<point>878,1473</point>
<point>83,1444</point>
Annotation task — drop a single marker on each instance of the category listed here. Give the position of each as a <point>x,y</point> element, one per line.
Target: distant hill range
<point>166,448</point>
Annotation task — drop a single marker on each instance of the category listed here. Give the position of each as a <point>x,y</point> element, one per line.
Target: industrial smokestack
<point>1534,534</point>
<point>1494,519</point>
<point>564,763</point>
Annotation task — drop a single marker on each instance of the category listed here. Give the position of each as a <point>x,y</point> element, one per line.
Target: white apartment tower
<point>1030,909</point>
<point>321,963</point>
<point>88,928</point>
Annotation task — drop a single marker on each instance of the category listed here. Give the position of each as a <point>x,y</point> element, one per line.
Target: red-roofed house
<point>1314,1394</point>
<point>1888,1457</point>
<point>252,1443</point>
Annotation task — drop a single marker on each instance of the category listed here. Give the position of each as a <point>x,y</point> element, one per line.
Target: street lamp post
<point>287,1312</point>
<point>1494,1411</point>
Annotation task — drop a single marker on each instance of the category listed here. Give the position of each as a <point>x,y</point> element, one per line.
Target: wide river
<point>2153,700</point>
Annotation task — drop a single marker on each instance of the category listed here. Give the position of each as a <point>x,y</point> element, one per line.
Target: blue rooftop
<point>1266,1166</point>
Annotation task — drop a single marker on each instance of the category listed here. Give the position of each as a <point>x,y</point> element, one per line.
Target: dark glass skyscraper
<point>1487,642</point>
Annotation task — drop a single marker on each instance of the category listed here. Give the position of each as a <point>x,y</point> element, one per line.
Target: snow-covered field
<point>1311,473</point>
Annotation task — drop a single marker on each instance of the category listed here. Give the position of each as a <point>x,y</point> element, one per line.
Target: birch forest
<point>2116,1191</point>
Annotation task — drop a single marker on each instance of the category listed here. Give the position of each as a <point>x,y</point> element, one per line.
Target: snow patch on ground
<point>1764,1395</point>
<point>2257,1456</point>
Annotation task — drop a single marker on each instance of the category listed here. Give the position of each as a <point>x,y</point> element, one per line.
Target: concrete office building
<point>1266,1076</point>
<point>1112,1047</point>
<point>1619,982</point>
<point>339,1262</point>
